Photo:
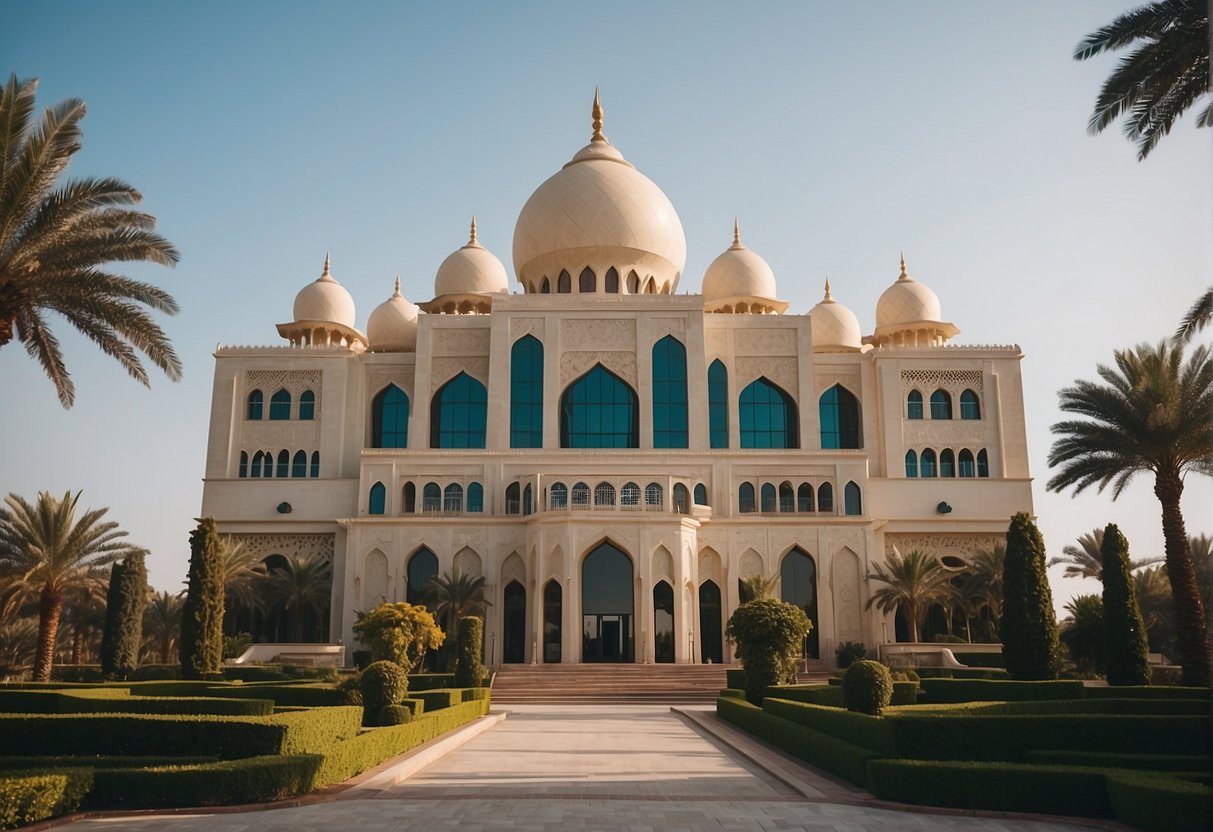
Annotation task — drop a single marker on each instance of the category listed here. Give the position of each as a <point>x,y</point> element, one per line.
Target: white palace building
<point>611,456</point>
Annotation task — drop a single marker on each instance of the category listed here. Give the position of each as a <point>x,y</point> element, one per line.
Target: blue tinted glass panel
<point>947,463</point>
<point>390,418</point>
<point>243,464</point>
<point>787,497</point>
<point>409,498</point>
<point>284,463</point>
<point>825,497</point>
<point>745,498</point>
<point>599,410</point>
<point>804,497</point>
<point>927,463</point>
<point>431,497</point>
<point>377,500</point>
<point>280,406</point>
<point>852,500</point>
<point>914,405</point>
<point>983,464</point>
<point>669,394</point>
<point>299,465</point>
<point>476,497</point>
<point>768,497</point>
<point>911,464</point>
<point>315,464</point>
<point>839,412</point>
<point>941,405</point>
<point>768,417</point>
<point>701,495</point>
<point>798,585</point>
<point>970,408</point>
<point>422,568</point>
<point>526,394</point>
<point>964,462</point>
<point>718,405</point>
<point>307,405</point>
<point>255,401</point>
<point>459,414</point>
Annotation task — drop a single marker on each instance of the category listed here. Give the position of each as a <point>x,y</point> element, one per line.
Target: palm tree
<point>84,603</point>
<point>162,624</point>
<point>55,242</point>
<point>1083,632</point>
<point>1167,72</point>
<point>914,583</point>
<point>456,595</point>
<point>241,572</point>
<point>1150,415</point>
<point>981,583</point>
<point>49,548</point>
<point>1085,560</point>
<point>298,585</point>
<point>756,587</point>
<point>1198,318</point>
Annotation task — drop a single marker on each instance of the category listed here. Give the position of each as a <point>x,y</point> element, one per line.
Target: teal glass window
<point>560,496</point>
<point>315,472</point>
<point>663,623</point>
<point>852,500</point>
<point>787,497</point>
<point>526,393</point>
<point>983,463</point>
<point>378,499</point>
<point>804,497</point>
<point>768,417</point>
<point>669,393</point>
<point>299,464</point>
<point>307,406</point>
<point>911,464</point>
<point>257,461</point>
<point>268,470</point>
<point>964,462</point>
<point>390,418</point>
<point>552,619</point>
<point>914,405</point>
<point>970,407</point>
<point>745,498</point>
<point>941,405</point>
<point>255,401</point>
<point>825,497</point>
<point>421,570</point>
<point>513,498</point>
<point>452,498</point>
<point>947,463</point>
<point>528,500</point>
<point>409,498</point>
<point>927,463</point>
<point>475,497</point>
<point>718,404</point>
<point>284,463</point>
<point>280,406</point>
<point>459,414</point>
<point>701,495</point>
<point>839,411</point>
<point>768,497</point>
<point>243,464</point>
<point>431,498</point>
<point>599,410</point>
<point>798,585</point>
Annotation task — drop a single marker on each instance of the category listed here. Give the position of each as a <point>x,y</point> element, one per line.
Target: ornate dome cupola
<point>741,282</point>
<point>324,316</point>
<point>908,315</point>
<point>392,327</point>
<point>835,328</point>
<point>467,280</point>
<point>599,226</point>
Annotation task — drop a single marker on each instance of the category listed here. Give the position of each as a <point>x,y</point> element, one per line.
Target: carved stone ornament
<point>940,544</point>
<point>299,545</point>
<point>443,370</point>
<point>598,334</point>
<point>781,370</point>
<point>461,341</point>
<point>525,326</point>
<point>661,327</point>
<point>575,364</point>
<point>513,569</point>
<point>663,564</point>
<point>765,342</point>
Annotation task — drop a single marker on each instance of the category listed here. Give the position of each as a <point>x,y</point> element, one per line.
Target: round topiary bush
<point>850,652</point>
<point>769,635</point>
<point>394,715</point>
<point>351,689</point>
<point>383,683</point>
<point>867,687</point>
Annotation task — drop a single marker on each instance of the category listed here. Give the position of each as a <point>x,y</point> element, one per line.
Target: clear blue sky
<point>264,134</point>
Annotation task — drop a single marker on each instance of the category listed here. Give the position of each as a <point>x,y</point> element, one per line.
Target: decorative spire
<point>397,294</point>
<point>597,114</point>
<point>472,238</point>
<point>827,297</point>
<point>736,233</point>
<point>903,275</point>
<point>325,274</point>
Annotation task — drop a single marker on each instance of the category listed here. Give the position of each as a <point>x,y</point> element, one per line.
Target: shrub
<point>201,643</point>
<point>394,715</point>
<point>1028,627</point>
<point>905,692</point>
<point>850,652</point>
<point>362,658</point>
<point>829,696</point>
<point>769,635</point>
<point>869,732</point>
<point>991,690</point>
<point>735,678</point>
<point>437,699</point>
<point>1161,804</point>
<point>469,672</point>
<point>123,633</point>
<point>1125,645</point>
<point>867,687</point>
<point>383,683</point>
<point>975,659</point>
<point>351,689</point>
<point>400,633</point>
<point>32,796</point>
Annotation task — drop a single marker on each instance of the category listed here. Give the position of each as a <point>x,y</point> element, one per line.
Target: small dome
<point>392,327</point>
<point>738,272</point>
<point>471,270</point>
<point>906,301</point>
<point>325,300</point>
<point>835,327</point>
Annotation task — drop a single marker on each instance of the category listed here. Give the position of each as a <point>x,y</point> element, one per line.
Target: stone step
<point>607,683</point>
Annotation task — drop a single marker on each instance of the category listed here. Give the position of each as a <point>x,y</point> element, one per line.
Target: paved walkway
<point>637,768</point>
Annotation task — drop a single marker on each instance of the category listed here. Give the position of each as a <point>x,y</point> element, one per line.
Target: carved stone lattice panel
<point>555,565</point>
<point>751,565</point>
<point>575,364</point>
<point>443,370</point>
<point>661,327</point>
<point>293,381</point>
<point>525,326</point>
<point>299,545</point>
<point>461,341</point>
<point>953,433</point>
<point>598,334</point>
<point>663,564</point>
<point>765,342</point>
<point>847,619</point>
<point>851,538</point>
<point>825,381</point>
<point>374,580</point>
<point>941,544</point>
<point>948,379</point>
<point>513,570</point>
<point>274,436</point>
<point>779,369</point>
<point>467,562</point>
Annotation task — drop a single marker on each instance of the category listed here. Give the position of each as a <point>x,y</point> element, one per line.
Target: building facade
<point>614,458</point>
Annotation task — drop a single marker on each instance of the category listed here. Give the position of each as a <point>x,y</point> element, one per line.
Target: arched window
<point>768,497</point>
<point>284,463</point>
<point>611,281</point>
<point>513,498</point>
<point>852,500</point>
<point>581,495</point>
<point>629,496</point>
<point>914,405</point>
<point>280,406</point>
<point>745,498</point>
<point>669,393</point>
<point>307,406</point>
<point>255,400</point>
<point>768,417</point>
<point>983,463</point>
<point>528,501</point>
<point>911,464</point>
<point>560,496</point>
<point>604,495</point>
<point>927,466</point>
<point>422,568</point>
<point>970,407</point>
<point>243,464</point>
<point>475,497</point>
<point>825,498</point>
<point>545,288</point>
<point>599,410</point>
<point>839,410</point>
<point>964,462</point>
<point>941,405</point>
<point>663,623</point>
<point>947,463</point>
<point>682,500</point>
<point>390,418</point>
<point>409,498</point>
<point>564,283</point>
<point>452,498</point>
<point>798,585</point>
<point>378,497</point>
<point>718,404</point>
<point>257,459</point>
<point>633,283</point>
<point>513,620</point>
<point>315,472</point>
<point>299,464</point>
<point>654,496</point>
<point>804,497</point>
<point>458,414</point>
<point>526,393</point>
<point>588,282</point>
<point>552,621</point>
<point>787,497</point>
<point>431,498</point>
<point>701,495</point>
<point>268,471</point>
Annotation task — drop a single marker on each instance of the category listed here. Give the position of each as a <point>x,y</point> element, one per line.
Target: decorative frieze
<point>598,334</point>
<point>262,546</point>
<point>461,341</point>
<point>575,364</point>
<point>520,327</point>
<point>781,370</point>
<point>951,380</point>
<point>765,342</point>
<point>964,545</point>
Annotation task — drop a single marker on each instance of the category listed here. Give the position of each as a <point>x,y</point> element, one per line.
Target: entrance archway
<point>513,624</point>
<point>607,606</point>
<point>711,645</point>
<point>798,585</point>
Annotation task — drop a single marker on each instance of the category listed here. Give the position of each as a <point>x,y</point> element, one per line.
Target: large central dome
<point>599,213</point>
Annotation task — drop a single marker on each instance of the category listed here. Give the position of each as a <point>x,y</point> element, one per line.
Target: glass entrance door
<point>606,638</point>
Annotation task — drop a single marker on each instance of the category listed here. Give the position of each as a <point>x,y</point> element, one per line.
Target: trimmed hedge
<point>868,732</point>
<point>118,701</point>
<point>1150,692</point>
<point>735,678</point>
<point>34,795</point>
<point>1140,762</point>
<point>979,659</point>
<point>956,673</point>
<point>904,693</point>
<point>1161,804</point>
<point>14,763</point>
<point>302,695</point>
<point>430,681</point>
<point>438,699</point>
<point>981,690</point>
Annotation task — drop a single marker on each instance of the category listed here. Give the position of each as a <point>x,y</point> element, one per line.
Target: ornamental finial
<point>397,294</point>
<point>472,238</point>
<point>325,273</point>
<point>903,265</point>
<point>597,114</point>
<point>736,232</point>
<point>827,297</point>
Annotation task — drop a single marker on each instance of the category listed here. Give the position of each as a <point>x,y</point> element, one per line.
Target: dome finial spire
<point>903,266</point>
<point>827,297</point>
<point>472,239</point>
<point>597,115</point>
<point>736,232</point>
<point>325,273</point>
<point>397,294</point>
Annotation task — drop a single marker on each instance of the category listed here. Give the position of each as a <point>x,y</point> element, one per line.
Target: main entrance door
<point>606,638</point>
<point>607,606</point>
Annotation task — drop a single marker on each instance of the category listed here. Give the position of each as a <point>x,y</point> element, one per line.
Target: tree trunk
<point>912,620</point>
<point>297,615</point>
<point>48,632</point>
<point>77,644</point>
<point>1193,638</point>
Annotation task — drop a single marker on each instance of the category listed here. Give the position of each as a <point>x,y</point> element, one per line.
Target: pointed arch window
<point>914,405</point>
<point>459,414</point>
<point>599,410</point>
<point>409,498</point>
<point>452,499</point>
<point>377,500</point>
<point>528,500</point>
<point>431,498</point>
<point>307,406</point>
<point>911,464</point>
<point>526,393</point>
<point>545,288</point>
<point>682,500</point>
<point>421,569</point>
<point>513,498</point>
<point>839,411</point>
<point>787,497</point>
<point>669,393</point>
<point>852,500</point>
<point>633,283</point>
<point>257,461</point>
<point>970,406</point>
<point>983,463</point>
<point>284,463</point>
<point>718,404</point>
<point>745,498</point>
<point>256,400</point>
<point>552,621</point>
<point>560,496</point>
<point>964,463</point>
<point>588,282</point>
<point>475,497</point>
<point>390,418</point>
<point>768,497</point>
<point>564,283</point>
<point>280,406</point>
<point>299,464</point>
<point>243,464</point>
<point>768,417</point>
<point>947,463</point>
<point>825,498</point>
<point>927,463</point>
<point>315,472</point>
<point>611,281</point>
<point>654,496</point>
<point>629,496</point>
<point>701,495</point>
<point>804,497</point>
<point>581,495</point>
<point>941,405</point>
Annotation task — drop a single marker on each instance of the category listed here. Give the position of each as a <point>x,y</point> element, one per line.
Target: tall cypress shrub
<point>202,615</point>
<point>1125,648</point>
<point>124,603</point>
<point>469,671</point>
<point>1029,626</point>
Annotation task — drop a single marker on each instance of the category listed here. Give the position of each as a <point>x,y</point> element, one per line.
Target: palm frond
<point>1201,313</point>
